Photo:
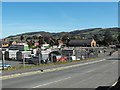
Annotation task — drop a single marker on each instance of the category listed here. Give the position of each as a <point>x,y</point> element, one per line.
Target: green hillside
<point>87,33</point>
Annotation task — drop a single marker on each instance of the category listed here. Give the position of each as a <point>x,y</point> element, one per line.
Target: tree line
<point>105,39</point>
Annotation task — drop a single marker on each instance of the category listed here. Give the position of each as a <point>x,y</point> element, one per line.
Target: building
<point>21,45</point>
<point>82,43</point>
<point>5,44</point>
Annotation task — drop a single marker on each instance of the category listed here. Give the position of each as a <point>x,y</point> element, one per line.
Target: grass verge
<point>41,65</point>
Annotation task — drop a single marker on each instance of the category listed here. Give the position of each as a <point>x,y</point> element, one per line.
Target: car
<point>62,59</point>
<point>35,60</point>
<point>58,55</point>
<point>5,66</point>
<point>28,57</point>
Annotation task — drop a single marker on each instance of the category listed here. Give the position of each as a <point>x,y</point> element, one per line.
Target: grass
<point>42,65</point>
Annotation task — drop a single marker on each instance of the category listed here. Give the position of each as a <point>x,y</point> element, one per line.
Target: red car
<point>58,56</point>
<point>62,59</point>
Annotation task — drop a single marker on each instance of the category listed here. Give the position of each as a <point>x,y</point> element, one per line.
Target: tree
<point>95,37</point>
<point>41,40</point>
<point>30,44</point>
<point>118,38</point>
<point>46,39</point>
<point>35,37</point>
<point>107,38</point>
<point>28,39</point>
<point>21,37</point>
<point>51,41</point>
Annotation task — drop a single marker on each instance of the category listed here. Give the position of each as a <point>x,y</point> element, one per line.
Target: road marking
<point>113,62</point>
<point>51,82</point>
<point>48,70</point>
<point>91,70</point>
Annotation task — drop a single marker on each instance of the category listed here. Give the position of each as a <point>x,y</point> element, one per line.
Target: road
<point>104,73</point>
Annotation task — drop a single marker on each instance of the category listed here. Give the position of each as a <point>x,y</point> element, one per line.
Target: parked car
<point>5,66</point>
<point>28,57</point>
<point>35,60</point>
<point>62,59</point>
<point>58,55</point>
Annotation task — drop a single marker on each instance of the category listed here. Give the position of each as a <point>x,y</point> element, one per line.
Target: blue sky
<point>21,17</point>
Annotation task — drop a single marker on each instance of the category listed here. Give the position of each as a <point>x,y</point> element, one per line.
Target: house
<point>22,45</point>
<point>5,44</point>
<point>14,43</point>
<point>82,43</point>
<point>36,44</point>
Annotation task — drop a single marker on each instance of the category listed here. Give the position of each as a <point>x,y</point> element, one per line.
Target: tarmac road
<point>104,73</point>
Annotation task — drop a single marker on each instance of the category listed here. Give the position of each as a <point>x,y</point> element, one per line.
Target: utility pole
<point>23,62</point>
<point>51,57</point>
<point>3,60</point>
<point>40,58</point>
<point>69,57</point>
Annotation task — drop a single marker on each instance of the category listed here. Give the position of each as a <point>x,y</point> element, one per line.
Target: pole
<point>51,58</point>
<point>69,56</point>
<point>3,62</point>
<point>81,52</point>
<point>23,62</point>
<point>40,59</point>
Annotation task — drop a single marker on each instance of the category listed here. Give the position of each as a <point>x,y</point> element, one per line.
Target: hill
<point>86,33</point>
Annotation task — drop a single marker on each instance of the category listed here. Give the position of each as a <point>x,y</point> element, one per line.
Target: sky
<point>22,17</point>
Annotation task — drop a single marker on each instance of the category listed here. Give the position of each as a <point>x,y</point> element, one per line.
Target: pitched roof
<point>80,42</point>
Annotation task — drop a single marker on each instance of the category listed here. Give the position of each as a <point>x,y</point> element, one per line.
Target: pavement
<point>102,72</point>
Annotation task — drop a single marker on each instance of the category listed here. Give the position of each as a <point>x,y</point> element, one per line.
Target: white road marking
<point>113,62</point>
<point>51,82</point>
<point>49,70</point>
<point>91,70</point>
<point>60,80</point>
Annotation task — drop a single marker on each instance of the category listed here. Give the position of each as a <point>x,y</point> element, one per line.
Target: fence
<point>80,52</point>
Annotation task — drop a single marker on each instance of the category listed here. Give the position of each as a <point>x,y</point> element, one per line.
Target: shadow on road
<point>114,58</point>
